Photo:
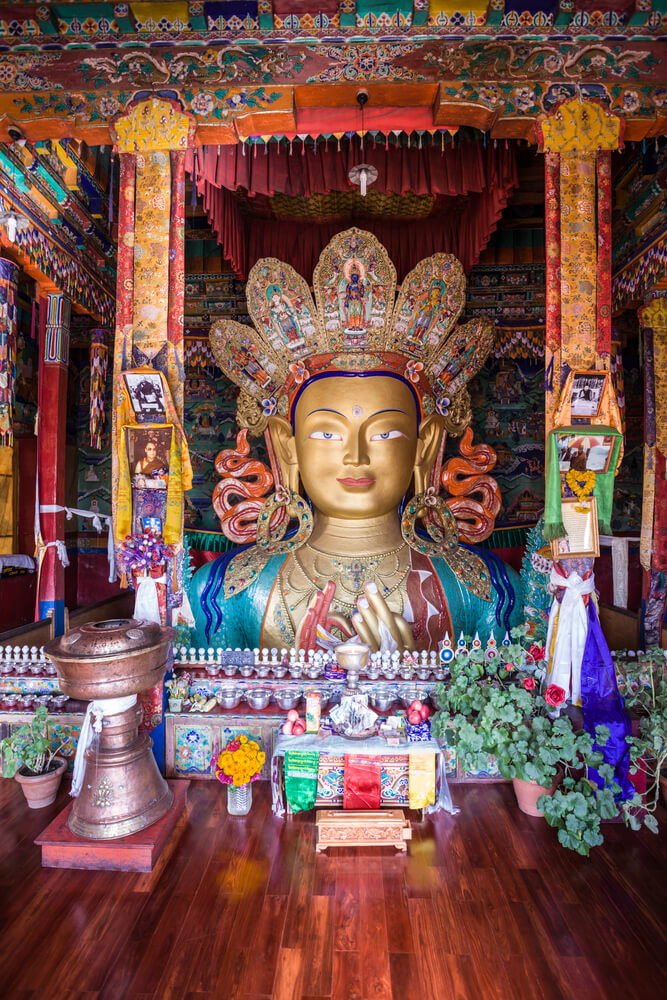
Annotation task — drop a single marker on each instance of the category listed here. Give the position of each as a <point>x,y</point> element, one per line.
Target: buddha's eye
<point>325,436</point>
<point>387,436</point>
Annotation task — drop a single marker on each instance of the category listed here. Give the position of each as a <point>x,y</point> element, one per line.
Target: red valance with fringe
<point>471,185</point>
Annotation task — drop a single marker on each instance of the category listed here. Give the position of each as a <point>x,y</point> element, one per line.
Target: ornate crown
<point>355,324</point>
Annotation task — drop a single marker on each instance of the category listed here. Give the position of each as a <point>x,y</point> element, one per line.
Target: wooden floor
<point>486,905</point>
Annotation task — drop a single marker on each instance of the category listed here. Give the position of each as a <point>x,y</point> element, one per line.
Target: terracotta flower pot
<point>41,789</point>
<point>528,792</point>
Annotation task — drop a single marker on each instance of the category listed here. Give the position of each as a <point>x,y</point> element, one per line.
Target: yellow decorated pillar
<point>151,140</point>
<point>577,139</point>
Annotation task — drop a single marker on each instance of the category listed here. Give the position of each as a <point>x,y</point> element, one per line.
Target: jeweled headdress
<point>356,323</point>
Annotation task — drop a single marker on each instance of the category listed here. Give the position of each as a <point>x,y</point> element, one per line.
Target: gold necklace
<point>352,574</point>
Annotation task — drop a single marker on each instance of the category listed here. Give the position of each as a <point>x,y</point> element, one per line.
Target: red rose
<point>509,667</point>
<point>529,683</point>
<point>554,695</point>
<point>537,652</point>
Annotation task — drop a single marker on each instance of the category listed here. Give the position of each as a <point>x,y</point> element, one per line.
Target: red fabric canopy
<point>479,180</point>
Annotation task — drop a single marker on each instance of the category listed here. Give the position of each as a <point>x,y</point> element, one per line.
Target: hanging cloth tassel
<point>193,193</point>
<point>98,377</point>
<point>111,165</point>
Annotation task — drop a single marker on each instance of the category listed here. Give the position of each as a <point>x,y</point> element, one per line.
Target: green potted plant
<point>495,708</point>
<point>577,807</point>
<point>179,691</point>
<point>645,695</point>
<point>28,756</point>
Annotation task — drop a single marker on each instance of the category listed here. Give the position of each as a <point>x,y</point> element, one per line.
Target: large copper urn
<point>108,664</point>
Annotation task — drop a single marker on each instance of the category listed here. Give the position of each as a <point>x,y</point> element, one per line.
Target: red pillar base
<point>139,852</point>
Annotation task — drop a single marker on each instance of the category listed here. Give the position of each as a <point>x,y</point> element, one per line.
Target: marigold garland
<point>582,485</point>
<point>240,762</point>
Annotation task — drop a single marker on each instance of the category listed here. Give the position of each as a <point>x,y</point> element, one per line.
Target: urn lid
<point>108,638</point>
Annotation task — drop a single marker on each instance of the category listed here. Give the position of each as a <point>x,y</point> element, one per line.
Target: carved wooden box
<point>366,828</point>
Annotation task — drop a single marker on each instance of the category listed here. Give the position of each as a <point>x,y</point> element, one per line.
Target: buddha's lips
<point>359,483</point>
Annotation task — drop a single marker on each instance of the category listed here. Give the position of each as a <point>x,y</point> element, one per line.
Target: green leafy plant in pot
<point>495,708</point>
<point>482,693</point>
<point>28,756</point>
<point>645,696</point>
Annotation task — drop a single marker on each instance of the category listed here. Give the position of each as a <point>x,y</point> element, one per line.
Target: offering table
<point>394,764</point>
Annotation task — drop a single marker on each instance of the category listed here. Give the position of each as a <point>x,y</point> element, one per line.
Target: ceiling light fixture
<point>362,174</point>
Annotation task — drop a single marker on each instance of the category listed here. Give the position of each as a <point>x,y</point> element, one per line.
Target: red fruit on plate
<point>292,715</point>
<point>287,728</point>
<point>425,712</point>
<point>299,728</point>
<point>414,718</point>
<point>416,706</point>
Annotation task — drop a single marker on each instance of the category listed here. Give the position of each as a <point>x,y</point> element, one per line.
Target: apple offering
<point>294,725</point>
<point>418,713</point>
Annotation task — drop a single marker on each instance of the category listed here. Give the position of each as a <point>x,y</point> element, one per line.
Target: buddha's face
<point>356,441</point>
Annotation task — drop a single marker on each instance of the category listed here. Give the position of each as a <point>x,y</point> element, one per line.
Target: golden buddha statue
<point>355,418</point>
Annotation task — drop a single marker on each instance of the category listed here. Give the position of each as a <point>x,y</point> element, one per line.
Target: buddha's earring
<point>444,533</point>
<point>245,567</point>
<point>470,569</point>
<point>273,542</point>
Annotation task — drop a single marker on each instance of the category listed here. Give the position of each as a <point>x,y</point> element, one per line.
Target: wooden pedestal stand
<point>367,828</point>
<point>138,852</point>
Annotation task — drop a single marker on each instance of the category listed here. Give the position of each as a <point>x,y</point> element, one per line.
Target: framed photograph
<point>152,524</point>
<point>584,452</point>
<point>581,525</point>
<point>587,391</point>
<point>148,451</point>
<point>146,396</point>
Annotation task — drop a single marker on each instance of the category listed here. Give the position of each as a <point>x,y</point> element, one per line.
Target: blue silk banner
<point>603,706</point>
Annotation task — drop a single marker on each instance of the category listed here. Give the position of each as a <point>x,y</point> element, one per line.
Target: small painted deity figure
<point>428,307</point>
<point>248,365</point>
<point>354,298</point>
<point>283,316</point>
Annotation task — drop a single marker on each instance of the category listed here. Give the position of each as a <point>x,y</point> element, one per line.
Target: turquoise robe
<point>237,621</point>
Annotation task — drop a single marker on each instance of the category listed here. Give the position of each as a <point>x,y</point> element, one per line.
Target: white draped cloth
<point>569,619</point>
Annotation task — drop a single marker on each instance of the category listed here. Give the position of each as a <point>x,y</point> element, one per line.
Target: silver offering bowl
<point>258,697</point>
<point>382,700</point>
<point>287,698</point>
<point>229,697</point>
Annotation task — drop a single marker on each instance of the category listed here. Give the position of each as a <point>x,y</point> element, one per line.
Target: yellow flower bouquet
<point>240,762</point>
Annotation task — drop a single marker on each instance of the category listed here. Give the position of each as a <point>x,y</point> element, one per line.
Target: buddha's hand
<point>372,610</point>
<point>319,614</point>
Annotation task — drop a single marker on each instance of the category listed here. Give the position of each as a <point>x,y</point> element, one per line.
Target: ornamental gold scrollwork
<point>654,314</point>
<point>459,414</point>
<point>153,125</point>
<point>578,126</point>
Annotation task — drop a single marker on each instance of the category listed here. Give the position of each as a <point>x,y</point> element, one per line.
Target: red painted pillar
<point>53,361</point>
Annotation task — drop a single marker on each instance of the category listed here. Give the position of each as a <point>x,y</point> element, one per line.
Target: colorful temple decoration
<point>393,448</point>
<point>151,466</point>
<point>653,551</point>
<point>99,351</point>
<point>8,338</point>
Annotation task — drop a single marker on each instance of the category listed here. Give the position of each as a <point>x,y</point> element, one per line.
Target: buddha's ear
<point>284,444</point>
<point>428,446</point>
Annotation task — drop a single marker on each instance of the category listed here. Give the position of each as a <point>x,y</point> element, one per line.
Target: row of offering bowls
<point>314,671</point>
<point>286,698</point>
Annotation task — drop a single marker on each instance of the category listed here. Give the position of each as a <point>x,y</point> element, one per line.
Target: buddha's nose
<point>356,453</point>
